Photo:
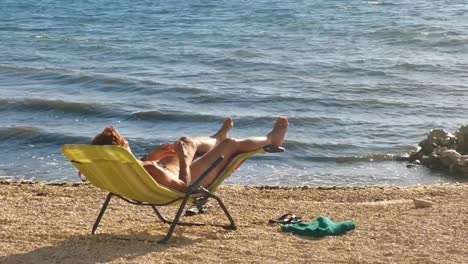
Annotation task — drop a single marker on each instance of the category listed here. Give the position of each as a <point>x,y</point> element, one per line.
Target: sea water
<point>354,78</point>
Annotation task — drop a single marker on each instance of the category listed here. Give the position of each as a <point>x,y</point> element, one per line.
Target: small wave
<point>184,90</point>
<point>238,120</point>
<point>23,136</point>
<point>394,34</point>
<point>372,157</point>
<point>20,29</point>
<point>360,103</point>
<point>174,116</point>
<point>54,105</point>
<point>242,99</point>
<point>309,158</point>
<point>407,66</point>
<point>246,98</point>
<point>386,3</point>
<point>360,71</point>
<point>249,64</point>
<point>303,121</point>
<point>7,133</point>
<point>303,146</point>
<point>246,54</point>
<point>423,35</point>
<point>34,135</point>
<point>449,42</point>
<point>96,81</point>
<point>418,67</point>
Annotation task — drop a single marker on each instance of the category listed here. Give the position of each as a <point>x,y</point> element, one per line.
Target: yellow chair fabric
<point>116,170</point>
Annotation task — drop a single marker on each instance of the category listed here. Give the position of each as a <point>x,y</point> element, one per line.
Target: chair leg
<point>160,216</point>
<point>176,220</point>
<point>232,224</point>
<point>101,213</point>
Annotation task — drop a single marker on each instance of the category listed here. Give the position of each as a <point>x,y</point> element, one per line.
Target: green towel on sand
<point>321,227</point>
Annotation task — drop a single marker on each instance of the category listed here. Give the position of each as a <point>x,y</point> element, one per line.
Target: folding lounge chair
<point>116,170</point>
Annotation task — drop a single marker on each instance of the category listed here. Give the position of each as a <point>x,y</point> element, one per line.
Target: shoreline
<point>45,223</point>
<point>454,180</point>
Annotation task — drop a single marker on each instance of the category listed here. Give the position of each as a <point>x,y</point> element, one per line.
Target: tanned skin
<point>178,165</point>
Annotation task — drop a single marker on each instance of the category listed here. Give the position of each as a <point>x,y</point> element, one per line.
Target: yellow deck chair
<point>117,171</point>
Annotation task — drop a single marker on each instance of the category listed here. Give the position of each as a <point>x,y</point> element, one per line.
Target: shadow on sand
<point>100,248</point>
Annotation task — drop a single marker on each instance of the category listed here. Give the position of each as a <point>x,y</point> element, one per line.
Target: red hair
<point>109,136</point>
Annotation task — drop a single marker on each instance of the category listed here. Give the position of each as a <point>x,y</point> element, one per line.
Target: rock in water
<point>437,138</point>
<point>443,150</point>
<point>462,139</point>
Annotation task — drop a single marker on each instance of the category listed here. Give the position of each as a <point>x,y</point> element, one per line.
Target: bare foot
<point>278,132</point>
<point>222,133</point>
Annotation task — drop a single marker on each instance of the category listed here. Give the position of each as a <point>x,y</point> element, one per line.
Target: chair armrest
<point>192,188</point>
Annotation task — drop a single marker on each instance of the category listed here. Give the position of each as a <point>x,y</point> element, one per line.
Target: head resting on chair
<point>110,136</point>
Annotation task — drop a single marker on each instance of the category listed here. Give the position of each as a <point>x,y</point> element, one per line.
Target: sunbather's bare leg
<point>203,144</point>
<point>187,148</point>
<point>190,170</point>
<point>230,147</point>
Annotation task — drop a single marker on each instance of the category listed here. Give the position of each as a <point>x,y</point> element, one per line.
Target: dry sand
<point>51,224</point>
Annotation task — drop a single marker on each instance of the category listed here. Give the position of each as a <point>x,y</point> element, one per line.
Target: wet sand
<point>42,223</point>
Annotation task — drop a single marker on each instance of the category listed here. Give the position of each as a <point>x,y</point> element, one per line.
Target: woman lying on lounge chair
<point>178,165</point>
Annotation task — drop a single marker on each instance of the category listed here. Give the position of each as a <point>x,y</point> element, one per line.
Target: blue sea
<point>354,78</point>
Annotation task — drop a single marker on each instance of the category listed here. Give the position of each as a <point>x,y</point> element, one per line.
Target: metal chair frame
<point>195,191</point>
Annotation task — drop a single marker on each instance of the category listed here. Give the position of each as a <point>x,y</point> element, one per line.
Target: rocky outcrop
<point>462,139</point>
<point>443,150</point>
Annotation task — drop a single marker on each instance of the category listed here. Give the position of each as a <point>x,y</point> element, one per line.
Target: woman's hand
<point>165,150</point>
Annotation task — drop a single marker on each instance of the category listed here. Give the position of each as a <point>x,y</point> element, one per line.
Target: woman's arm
<point>165,177</point>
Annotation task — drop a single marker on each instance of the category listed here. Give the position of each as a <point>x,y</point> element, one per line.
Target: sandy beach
<point>42,223</point>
